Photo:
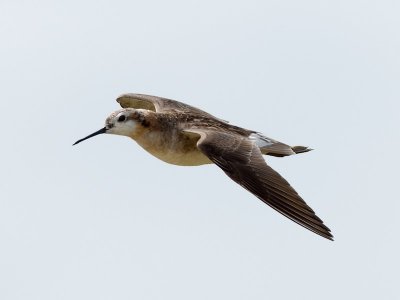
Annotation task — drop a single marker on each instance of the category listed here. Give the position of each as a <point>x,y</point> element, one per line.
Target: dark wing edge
<point>159,104</point>
<point>242,161</point>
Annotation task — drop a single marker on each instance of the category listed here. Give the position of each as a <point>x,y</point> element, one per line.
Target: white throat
<point>127,128</point>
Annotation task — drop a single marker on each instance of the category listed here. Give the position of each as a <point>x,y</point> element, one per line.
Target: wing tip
<point>328,236</point>
<point>323,231</point>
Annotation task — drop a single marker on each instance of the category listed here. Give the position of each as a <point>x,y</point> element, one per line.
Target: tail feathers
<point>277,149</point>
<point>301,149</point>
<point>272,147</point>
<point>281,150</point>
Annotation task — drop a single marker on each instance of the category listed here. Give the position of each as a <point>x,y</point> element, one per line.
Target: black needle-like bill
<point>103,130</point>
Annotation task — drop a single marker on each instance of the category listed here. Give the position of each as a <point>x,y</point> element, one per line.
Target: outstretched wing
<point>159,104</point>
<point>241,159</point>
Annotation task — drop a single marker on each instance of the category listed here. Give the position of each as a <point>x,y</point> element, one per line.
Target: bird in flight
<point>180,134</point>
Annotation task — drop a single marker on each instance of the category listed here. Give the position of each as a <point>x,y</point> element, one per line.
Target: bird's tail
<point>280,150</point>
<point>301,149</point>
<point>272,147</point>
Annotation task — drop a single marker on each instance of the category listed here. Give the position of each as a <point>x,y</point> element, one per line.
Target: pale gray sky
<point>105,220</point>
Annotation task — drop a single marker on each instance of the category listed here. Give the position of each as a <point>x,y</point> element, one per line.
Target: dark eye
<point>121,118</point>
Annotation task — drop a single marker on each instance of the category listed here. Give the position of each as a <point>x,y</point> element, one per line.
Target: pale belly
<point>195,158</point>
<point>176,152</point>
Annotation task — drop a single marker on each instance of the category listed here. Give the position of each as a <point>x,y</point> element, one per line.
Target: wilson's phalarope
<point>180,134</point>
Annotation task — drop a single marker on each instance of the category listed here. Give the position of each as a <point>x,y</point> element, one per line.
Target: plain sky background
<point>105,220</point>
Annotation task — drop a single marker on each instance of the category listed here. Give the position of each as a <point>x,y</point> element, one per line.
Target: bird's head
<point>128,122</point>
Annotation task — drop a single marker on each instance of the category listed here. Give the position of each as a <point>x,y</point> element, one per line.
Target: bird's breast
<point>173,147</point>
